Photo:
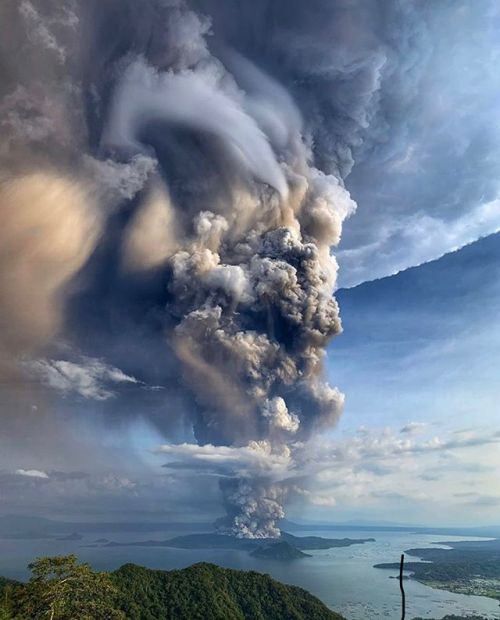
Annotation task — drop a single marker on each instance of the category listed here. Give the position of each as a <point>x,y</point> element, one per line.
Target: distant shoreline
<point>467,567</point>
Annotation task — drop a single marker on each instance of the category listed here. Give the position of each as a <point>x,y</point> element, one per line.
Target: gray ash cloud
<point>198,152</point>
<point>214,203</point>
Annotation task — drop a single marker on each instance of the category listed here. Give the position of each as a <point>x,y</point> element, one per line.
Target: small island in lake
<point>223,541</point>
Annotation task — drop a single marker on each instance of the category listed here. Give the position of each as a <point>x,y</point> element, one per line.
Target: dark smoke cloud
<point>199,153</point>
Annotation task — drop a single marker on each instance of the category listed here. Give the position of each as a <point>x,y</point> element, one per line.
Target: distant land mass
<point>469,567</point>
<point>487,531</point>
<point>27,528</point>
<point>282,551</point>
<point>222,541</point>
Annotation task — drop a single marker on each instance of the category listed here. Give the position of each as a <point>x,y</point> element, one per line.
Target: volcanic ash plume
<point>253,507</point>
<point>251,283</point>
<point>255,309</point>
<point>48,230</point>
<point>198,142</point>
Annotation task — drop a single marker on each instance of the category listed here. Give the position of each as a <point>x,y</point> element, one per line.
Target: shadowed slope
<point>208,592</point>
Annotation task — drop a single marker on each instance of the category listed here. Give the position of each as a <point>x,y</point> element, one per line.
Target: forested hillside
<point>63,589</point>
<point>208,592</point>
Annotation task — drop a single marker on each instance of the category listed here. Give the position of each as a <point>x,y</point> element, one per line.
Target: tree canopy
<point>61,588</point>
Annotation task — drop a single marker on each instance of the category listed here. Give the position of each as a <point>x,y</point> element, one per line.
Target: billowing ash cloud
<point>232,226</point>
<point>250,286</point>
<point>48,229</point>
<point>253,507</point>
<point>172,181</point>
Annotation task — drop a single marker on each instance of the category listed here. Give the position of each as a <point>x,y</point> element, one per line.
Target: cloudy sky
<point>417,361</point>
<point>169,201</point>
<point>419,440</point>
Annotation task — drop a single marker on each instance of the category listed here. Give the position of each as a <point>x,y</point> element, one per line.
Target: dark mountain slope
<point>208,592</point>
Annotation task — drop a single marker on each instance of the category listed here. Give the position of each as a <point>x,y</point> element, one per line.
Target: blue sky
<point>418,361</point>
<point>423,344</point>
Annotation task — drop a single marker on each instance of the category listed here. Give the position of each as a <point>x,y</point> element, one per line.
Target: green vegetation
<point>310,543</point>
<point>63,589</point>
<point>469,567</point>
<point>208,592</point>
<point>279,551</point>
<point>6,586</point>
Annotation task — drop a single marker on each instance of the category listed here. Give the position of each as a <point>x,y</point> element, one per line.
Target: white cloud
<point>32,473</point>
<point>414,240</point>
<point>359,459</point>
<point>89,378</point>
<point>315,499</point>
<point>387,445</point>
<point>383,470</point>
<point>257,458</point>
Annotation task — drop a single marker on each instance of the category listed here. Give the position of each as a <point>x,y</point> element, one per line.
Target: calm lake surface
<point>343,578</point>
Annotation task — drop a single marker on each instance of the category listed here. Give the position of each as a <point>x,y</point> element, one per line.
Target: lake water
<point>343,578</point>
